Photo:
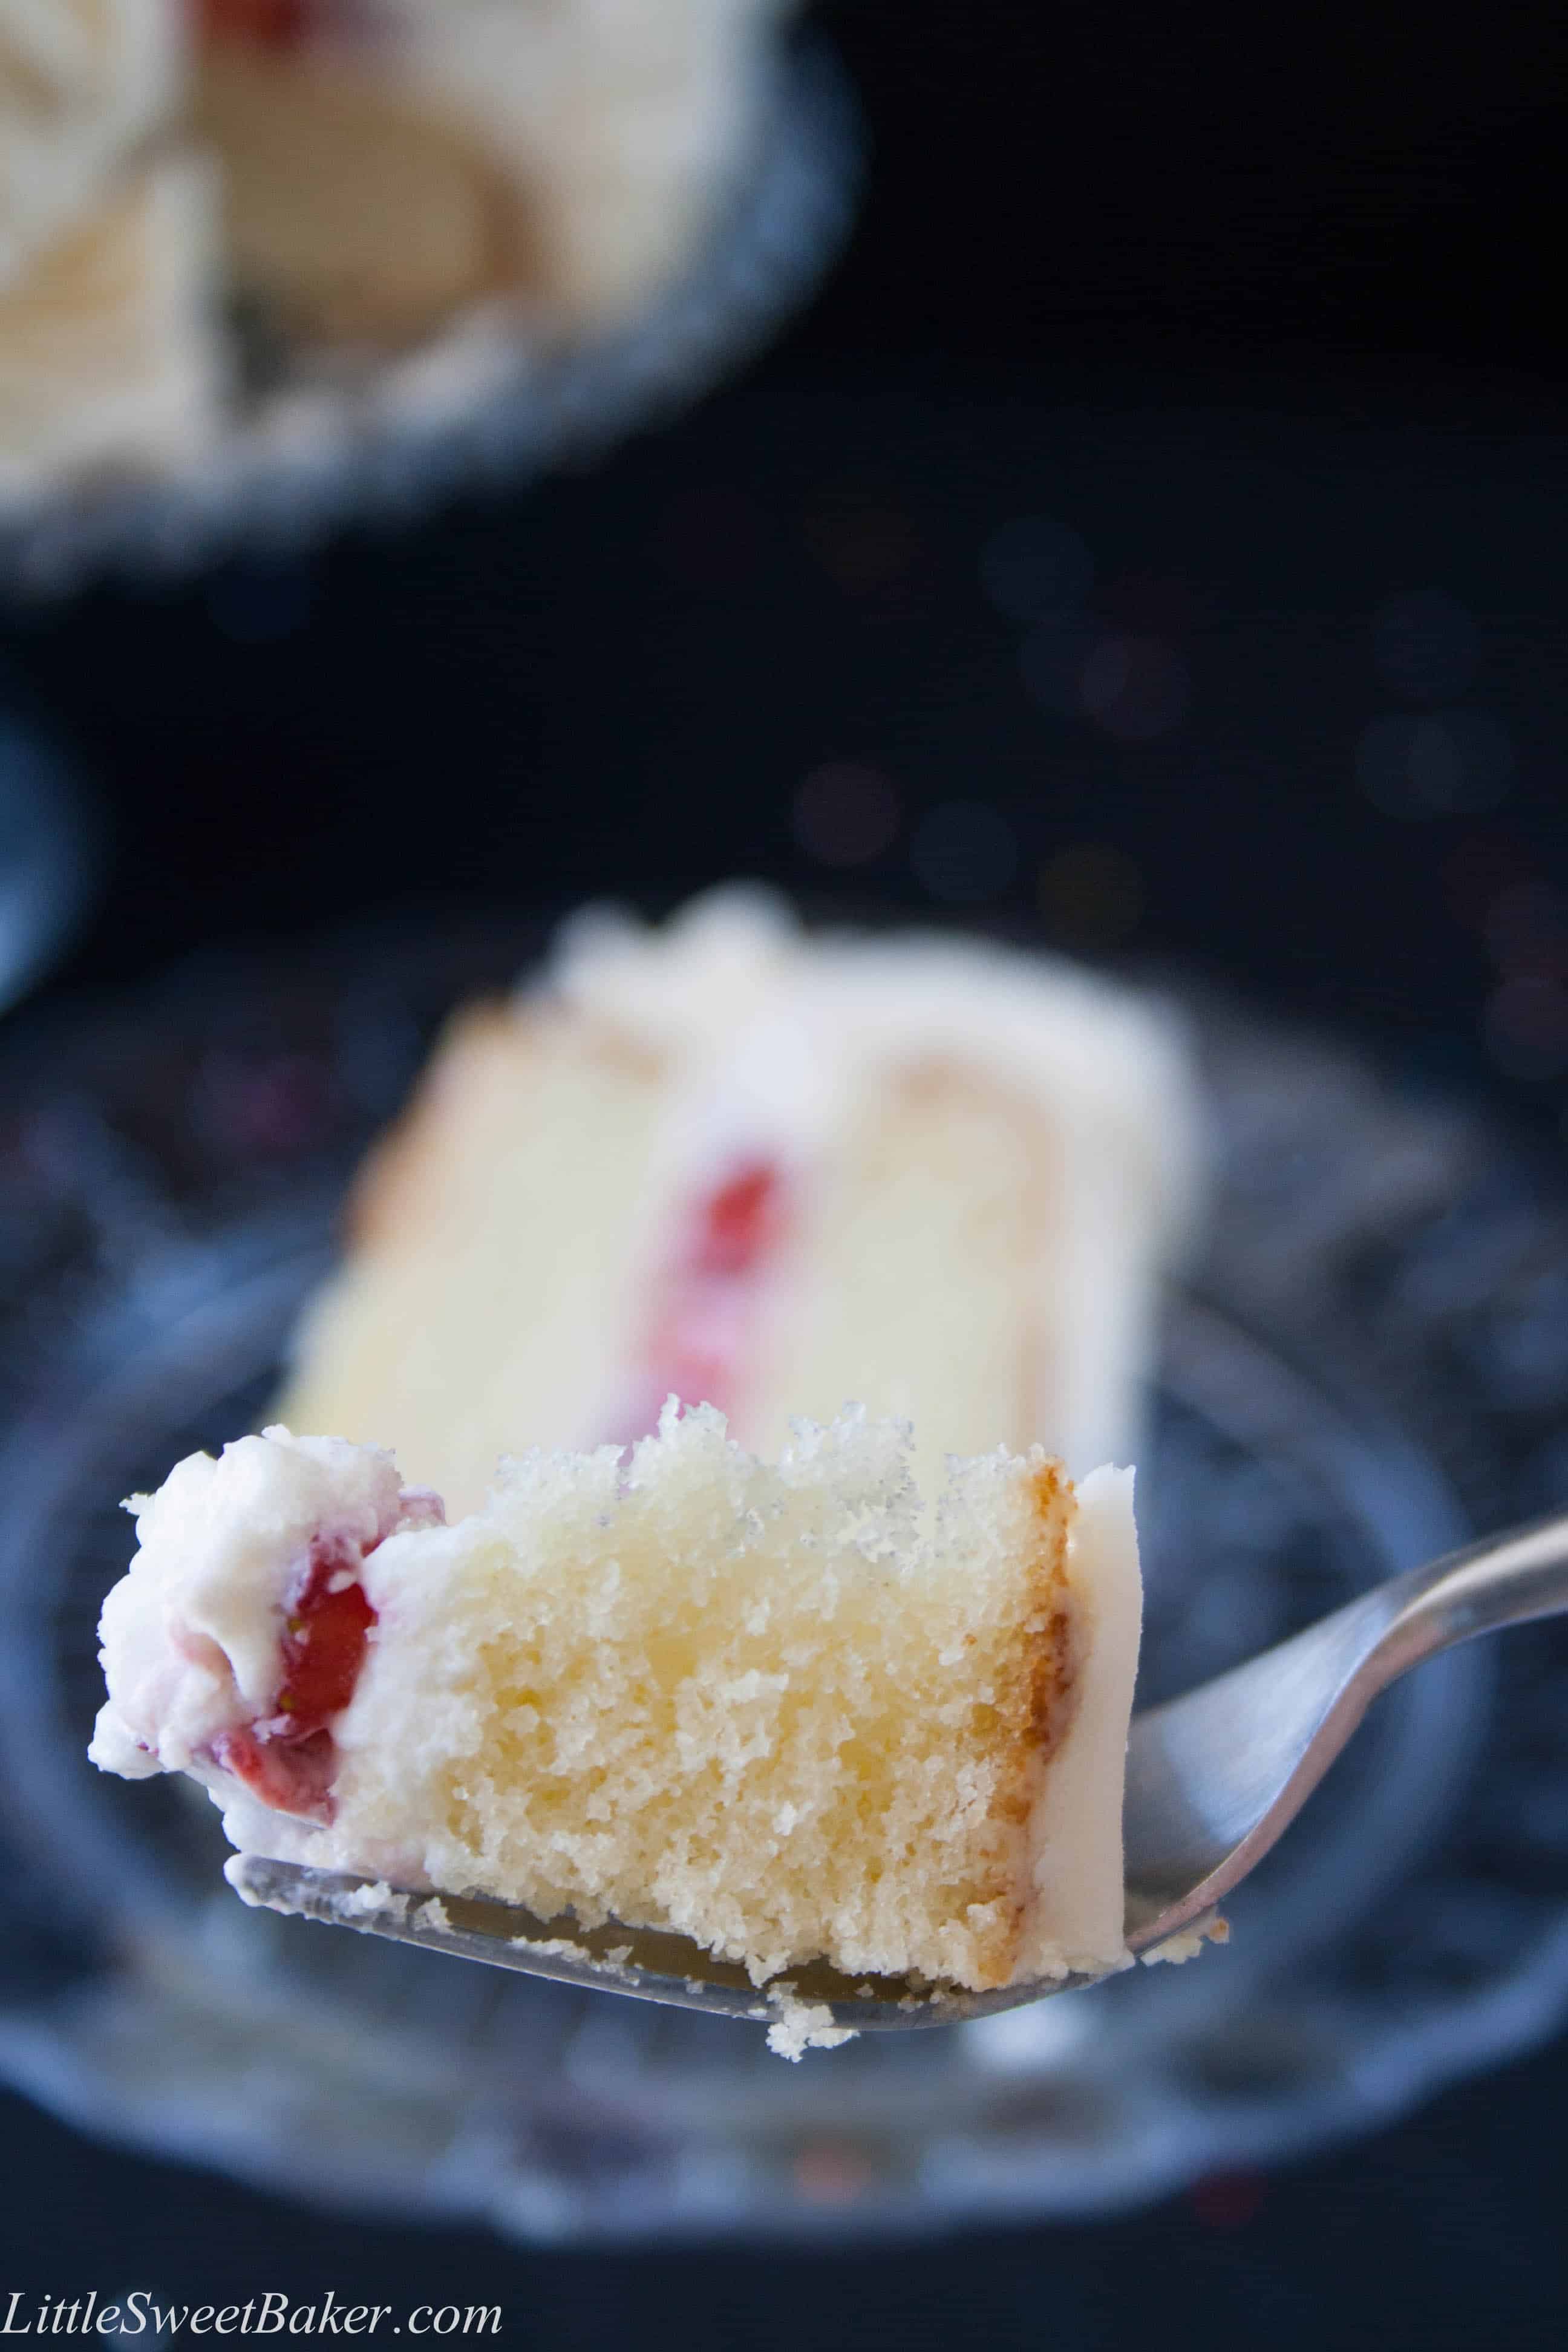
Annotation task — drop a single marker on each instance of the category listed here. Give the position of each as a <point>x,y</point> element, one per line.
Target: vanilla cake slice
<point>770,1171</point>
<point>783,1708</point>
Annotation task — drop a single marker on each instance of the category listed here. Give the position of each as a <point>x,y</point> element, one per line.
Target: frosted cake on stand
<point>464,187</point>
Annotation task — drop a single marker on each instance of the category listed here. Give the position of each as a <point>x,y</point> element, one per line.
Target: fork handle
<point>1501,1580</point>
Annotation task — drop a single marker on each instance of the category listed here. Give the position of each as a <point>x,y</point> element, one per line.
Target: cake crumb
<point>554,1947</point>
<point>359,1901</point>
<point>802,2025</point>
<point>1188,1942</point>
<point>617,1962</point>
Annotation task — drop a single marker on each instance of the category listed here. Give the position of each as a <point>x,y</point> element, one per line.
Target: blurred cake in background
<point>773,1172</point>
<point>349,177</point>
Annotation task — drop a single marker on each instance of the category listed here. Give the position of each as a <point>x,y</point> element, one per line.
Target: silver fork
<point>1212,1780</point>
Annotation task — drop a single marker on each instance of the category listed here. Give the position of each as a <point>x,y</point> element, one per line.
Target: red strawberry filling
<point>268,24</point>
<point>702,1324</point>
<point>289,1759</point>
<point>735,1226</point>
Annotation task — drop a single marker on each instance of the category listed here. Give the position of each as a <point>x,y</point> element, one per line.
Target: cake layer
<point>932,1206</point>
<point>784,1709</point>
<point>973,1167</point>
<point>499,1236</point>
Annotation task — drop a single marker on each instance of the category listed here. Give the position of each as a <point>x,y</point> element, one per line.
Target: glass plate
<point>1370,1364</point>
<point>482,406</point>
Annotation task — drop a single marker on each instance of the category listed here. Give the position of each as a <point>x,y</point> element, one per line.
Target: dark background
<point>1261,306</point>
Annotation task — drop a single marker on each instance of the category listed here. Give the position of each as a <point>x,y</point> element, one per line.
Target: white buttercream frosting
<point>788,1026</point>
<point>192,1634</point>
<point>775,1035</point>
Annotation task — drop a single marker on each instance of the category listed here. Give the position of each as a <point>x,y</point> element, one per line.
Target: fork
<point>1213,1778</point>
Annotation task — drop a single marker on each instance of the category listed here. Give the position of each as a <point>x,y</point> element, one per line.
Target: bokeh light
<point>1526,928</point>
<point>1477,869</point>
<point>1526,1028</point>
<point>834,2172</point>
<point>1053,659</point>
<point>845,812</point>
<point>964,851</point>
<point>1135,687</point>
<point>1448,763</point>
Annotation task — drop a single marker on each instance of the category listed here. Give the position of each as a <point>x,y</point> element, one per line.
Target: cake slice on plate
<point>768,1171</point>
<point>781,1709</point>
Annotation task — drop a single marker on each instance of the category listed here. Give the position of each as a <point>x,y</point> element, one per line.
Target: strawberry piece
<point>324,1641</point>
<point>292,1776</point>
<point>289,1758</point>
<point>740,1221</point>
<point>704,1310</point>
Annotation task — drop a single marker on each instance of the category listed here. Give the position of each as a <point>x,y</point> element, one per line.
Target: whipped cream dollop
<point>242,1562</point>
